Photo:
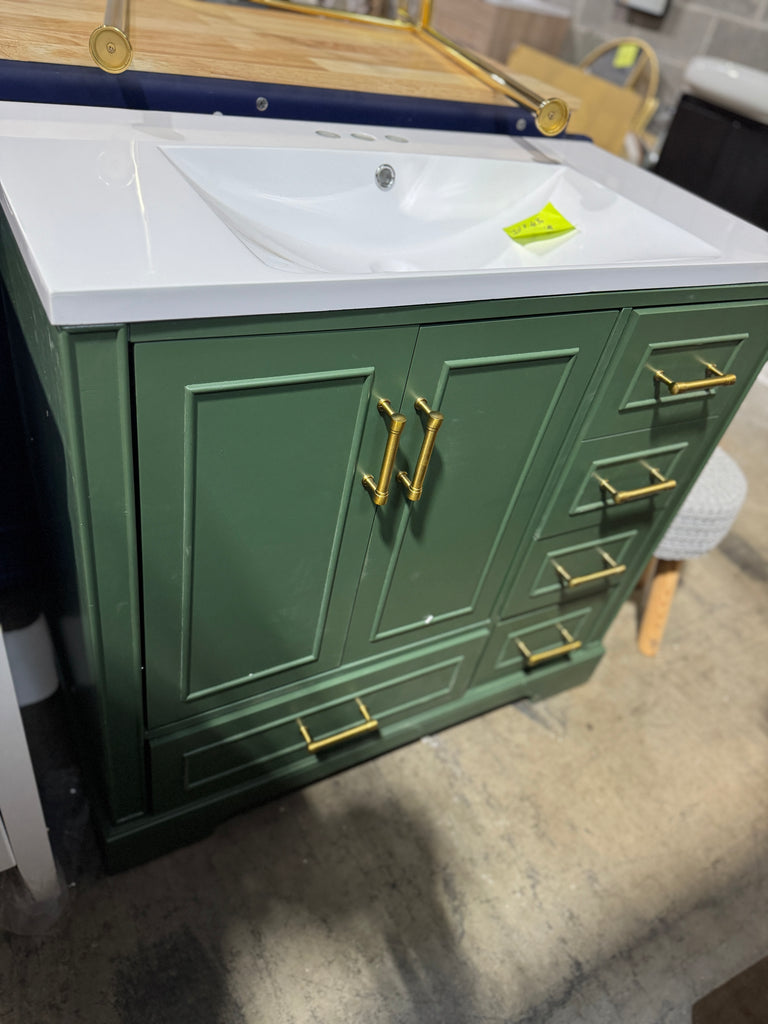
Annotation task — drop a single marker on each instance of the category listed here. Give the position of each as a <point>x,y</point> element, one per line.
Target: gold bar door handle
<point>622,497</point>
<point>367,725</point>
<point>532,659</point>
<point>684,387</point>
<point>413,488</point>
<point>612,568</point>
<point>380,491</point>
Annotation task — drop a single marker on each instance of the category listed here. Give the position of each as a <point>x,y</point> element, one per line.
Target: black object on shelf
<point>720,156</point>
<point>19,564</point>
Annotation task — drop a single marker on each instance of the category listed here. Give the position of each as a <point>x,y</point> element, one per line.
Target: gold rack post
<point>552,113</point>
<point>109,43</point>
<point>330,12</point>
<point>111,49</point>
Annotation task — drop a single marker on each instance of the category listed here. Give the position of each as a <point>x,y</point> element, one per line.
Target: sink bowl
<point>379,211</point>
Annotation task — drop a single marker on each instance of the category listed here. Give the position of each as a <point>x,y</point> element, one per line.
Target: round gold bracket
<point>552,116</point>
<point>110,48</point>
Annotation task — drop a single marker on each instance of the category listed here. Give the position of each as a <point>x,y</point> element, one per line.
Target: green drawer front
<point>264,744</point>
<point>626,463</point>
<point>679,342</point>
<point>596,562</point>
<point>540,633</point>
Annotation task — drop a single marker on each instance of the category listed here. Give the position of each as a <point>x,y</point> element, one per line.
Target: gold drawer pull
<point>612,569</point>
<point>622,497</point>
<point>682,387</point>
<point>531,660</point>
<point>380,491</point>
<point>434,422</point>
<point>368,725</point>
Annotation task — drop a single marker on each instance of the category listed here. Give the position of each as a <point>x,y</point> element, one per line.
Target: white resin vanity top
<point>112,231</point>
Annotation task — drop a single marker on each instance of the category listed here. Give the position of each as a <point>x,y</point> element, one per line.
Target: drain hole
<point>385,176</point>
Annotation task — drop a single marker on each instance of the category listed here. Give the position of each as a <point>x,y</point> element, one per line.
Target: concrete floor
<point>600,857</point>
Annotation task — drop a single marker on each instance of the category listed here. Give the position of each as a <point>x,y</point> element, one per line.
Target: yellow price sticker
<point>626,55</point>
<point>544,224</point>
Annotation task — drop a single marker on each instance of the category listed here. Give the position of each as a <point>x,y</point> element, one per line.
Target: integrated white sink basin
<point>125,215</point>
<point>323,210</point>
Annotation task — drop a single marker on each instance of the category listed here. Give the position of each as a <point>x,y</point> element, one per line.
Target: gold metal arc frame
<point>551,114</point>
<point>111,49</point>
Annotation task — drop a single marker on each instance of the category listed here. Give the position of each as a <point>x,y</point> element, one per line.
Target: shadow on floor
<point>361,887</point>
<point>348,894</point>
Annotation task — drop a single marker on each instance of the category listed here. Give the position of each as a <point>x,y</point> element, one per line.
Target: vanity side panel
<point>74,390</point>
<point>108,538</point>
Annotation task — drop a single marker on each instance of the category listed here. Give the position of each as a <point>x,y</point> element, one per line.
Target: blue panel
<point>141,90</point>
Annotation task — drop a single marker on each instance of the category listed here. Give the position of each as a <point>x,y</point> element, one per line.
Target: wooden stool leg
<point>661,590</point>
<point>648,573</point>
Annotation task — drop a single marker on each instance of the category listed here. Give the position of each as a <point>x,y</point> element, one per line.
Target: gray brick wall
<point>734,29</point>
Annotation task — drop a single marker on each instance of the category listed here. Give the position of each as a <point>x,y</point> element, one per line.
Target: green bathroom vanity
<point>235,614</point>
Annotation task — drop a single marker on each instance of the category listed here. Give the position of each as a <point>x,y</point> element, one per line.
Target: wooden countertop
<point>192,37</point>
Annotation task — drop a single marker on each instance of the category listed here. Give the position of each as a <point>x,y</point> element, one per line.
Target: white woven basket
<point>709,511</point>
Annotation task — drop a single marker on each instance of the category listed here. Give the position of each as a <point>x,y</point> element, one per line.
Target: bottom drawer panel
<point>265,742</point>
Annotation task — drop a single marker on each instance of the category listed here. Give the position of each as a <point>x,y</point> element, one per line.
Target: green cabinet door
<point>510,391</point>
<point>253,520</point>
